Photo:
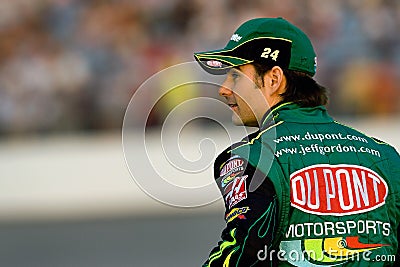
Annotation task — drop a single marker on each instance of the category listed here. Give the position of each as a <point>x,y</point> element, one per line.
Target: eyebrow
<point>235,69</point>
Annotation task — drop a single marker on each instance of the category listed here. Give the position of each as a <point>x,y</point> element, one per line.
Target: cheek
<point>244,104</point>
<point>245,111</point>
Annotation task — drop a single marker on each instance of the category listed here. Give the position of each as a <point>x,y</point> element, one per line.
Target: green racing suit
<point>306,190</point>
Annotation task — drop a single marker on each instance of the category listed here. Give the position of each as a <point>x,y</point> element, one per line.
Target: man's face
<point>243,96</point>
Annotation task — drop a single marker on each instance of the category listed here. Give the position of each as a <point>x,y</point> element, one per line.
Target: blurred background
<point>68,69</point>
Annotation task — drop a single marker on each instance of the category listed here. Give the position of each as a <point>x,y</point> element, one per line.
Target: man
<point>304,190</point>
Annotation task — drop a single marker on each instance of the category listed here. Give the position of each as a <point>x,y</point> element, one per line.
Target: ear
<point>275,81</point>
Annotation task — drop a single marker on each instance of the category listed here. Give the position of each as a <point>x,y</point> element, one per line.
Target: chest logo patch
<point>337,189</point>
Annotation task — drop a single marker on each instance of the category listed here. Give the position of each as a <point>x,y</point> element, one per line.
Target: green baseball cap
<point>264,40</point>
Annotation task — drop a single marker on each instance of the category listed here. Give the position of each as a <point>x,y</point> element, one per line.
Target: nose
<point>224,90</point>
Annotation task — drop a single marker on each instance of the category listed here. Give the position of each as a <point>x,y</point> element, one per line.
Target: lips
<point>232,105</point>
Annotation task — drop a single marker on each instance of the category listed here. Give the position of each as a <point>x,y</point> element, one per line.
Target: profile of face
<point>244,95</point>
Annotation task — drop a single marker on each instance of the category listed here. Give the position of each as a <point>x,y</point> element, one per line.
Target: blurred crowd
<point>68,65</point>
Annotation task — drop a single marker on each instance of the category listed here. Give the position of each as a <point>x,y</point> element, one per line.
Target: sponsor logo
<point>236,213</point>
<point>325,251</point>
<point>348,227</point>
<point>337,189</point>
<point>238,191</point>
<point>228,179</point>
<point>214,63</point>
<point>236,37</point>
<point>232,166</point>
<point>228,188</point>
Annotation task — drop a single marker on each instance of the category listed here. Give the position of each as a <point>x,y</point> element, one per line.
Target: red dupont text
<point>337,189</point>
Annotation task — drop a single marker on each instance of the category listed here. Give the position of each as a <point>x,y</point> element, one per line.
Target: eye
<point>235,75</point>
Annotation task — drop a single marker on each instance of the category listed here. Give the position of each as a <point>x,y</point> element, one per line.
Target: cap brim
<point>219,62</point>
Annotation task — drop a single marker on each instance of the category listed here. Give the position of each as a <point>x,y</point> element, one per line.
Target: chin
<point>236,123</point>
<point>236,120</point>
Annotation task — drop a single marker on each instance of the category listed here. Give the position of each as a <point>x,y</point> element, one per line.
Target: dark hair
<point>301,88</point>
